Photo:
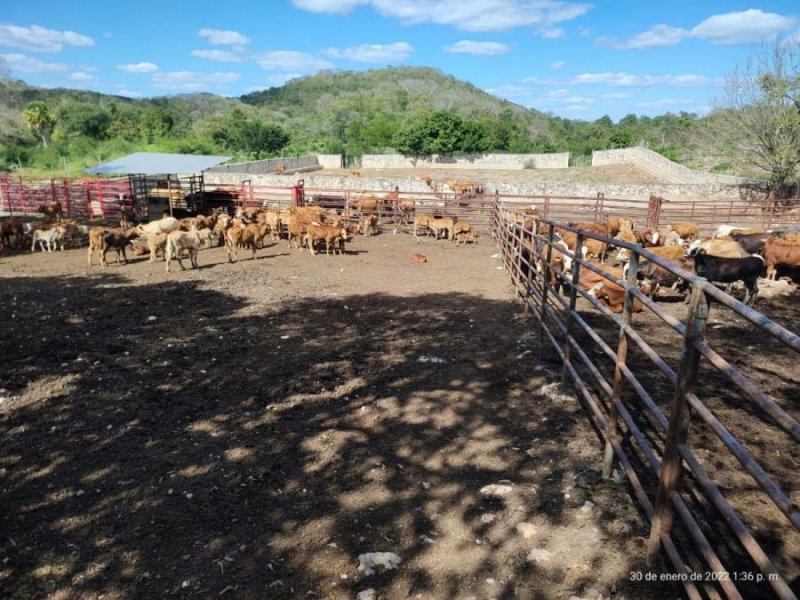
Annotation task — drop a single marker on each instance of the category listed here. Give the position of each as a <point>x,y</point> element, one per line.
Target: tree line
<point>754,130</point>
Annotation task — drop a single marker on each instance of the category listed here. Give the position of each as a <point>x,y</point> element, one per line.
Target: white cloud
<point>129,94</point>
<point>510,91</point>
<point>190,80</point>
<point>748,27</point>
<point>467,15</point>
<point>81,76</point>
<point>666,102</point>
<point>478,48</point>
<point>624,80</point>
<point>278,80</point>
<point>554,33</point>
<point>559,64</point>
<point>659,36</point>
<point>616,96</point>
<point>792,38</point>
<point>217,55</point>
<point>290,60</point>
<point>340,7</point>
<point>737,28</point>
<point>140,67</point>
<point>27,64</point>
<point>39,39</point>
<point>220,37</point>
<point>373,53</point>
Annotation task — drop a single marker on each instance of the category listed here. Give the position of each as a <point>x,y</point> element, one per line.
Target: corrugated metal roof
<point>156,163</point>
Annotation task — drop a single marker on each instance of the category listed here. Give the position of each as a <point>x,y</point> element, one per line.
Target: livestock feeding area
<point>366,424</point>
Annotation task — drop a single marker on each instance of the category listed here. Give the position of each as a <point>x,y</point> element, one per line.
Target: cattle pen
<point>250,428</point>
<point>721,500</point>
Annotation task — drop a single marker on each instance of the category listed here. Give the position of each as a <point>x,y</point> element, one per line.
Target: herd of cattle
<point>311,227</point>
<point>731,255</point>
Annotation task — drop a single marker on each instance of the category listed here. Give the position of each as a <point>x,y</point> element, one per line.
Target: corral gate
<point>676,445</point>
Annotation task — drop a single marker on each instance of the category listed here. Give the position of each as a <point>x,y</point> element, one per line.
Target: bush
<point>723,167</point>
<point>668,152</point>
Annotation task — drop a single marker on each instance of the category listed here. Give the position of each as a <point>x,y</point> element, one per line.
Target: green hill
<point>332,112</point>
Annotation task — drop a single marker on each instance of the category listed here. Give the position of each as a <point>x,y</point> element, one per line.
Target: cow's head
<point>693,248</point>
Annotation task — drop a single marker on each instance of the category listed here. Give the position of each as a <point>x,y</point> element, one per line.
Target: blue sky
<point>572,59</point>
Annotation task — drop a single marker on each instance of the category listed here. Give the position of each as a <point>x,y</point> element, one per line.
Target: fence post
<point>518,243</point>
<point>671,464</point>
<point>22,195</point>
<point>89,210</point>
<point>101,199</point>
<point>622,355</point>
<point>5,194</point>
<point>545,287</point>
<point>67,199</point>
<point>573,298</point>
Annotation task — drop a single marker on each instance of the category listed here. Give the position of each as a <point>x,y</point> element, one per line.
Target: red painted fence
<point>79,198</point>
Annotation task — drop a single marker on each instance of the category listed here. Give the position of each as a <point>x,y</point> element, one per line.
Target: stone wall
<point>628,191</point>
<point>294,164</point>
<point>659,166</point>
<point>473,161</point>
<point>329,161</point>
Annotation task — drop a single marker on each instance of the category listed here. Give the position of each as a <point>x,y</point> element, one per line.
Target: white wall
<point>474,161</point>
<point>658,166</point>
<point>329,161</point>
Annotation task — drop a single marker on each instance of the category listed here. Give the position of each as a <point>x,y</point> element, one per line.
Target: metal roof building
<point>155,163</point>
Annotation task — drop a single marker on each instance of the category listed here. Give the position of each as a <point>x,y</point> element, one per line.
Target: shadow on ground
<point>156,443</point>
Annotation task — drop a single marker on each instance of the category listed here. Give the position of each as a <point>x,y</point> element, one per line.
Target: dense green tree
<point>155,123</point>
<point>621,138</point>
<point>443,132</point>
<point>82,118</point>
<point>40,119</point>
<point>257,138</point>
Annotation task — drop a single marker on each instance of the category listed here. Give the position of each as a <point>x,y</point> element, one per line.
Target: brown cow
<point>780,253</point>
<point>52,210</point>
<point>607,292</point>
<point>687,231</point>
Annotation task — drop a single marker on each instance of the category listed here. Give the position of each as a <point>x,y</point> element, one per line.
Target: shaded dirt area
<point>250,430</point>
<point>605,174</point>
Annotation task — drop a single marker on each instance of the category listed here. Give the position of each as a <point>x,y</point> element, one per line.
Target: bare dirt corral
<point>250,430</point>
<point>624,173</point>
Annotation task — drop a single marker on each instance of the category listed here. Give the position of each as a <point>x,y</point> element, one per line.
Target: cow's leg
<point>752,291</point>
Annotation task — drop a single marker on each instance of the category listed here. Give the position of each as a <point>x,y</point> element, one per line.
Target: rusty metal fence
<point>79,198</point>
<point>720,505</point>
<point>659,212</point>
<point>104,198</point>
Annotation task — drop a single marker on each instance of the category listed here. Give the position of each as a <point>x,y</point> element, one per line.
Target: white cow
<point>49,236</point>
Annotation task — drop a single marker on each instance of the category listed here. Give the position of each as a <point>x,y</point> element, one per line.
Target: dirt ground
<point>605,174</point>
<point>251,430</point>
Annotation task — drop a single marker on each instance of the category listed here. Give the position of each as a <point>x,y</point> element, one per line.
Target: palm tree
<point>39,118</point>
